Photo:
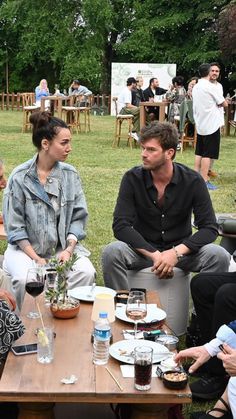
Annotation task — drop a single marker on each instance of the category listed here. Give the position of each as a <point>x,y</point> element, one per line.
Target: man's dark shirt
<point>148,93</point>
<point>137,96</point>
<point>141,223</point>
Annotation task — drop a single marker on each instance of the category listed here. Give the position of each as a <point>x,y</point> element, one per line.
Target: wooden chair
<point>185,122</point>
<point>73,112</point>
<point>186,138</point>
<point>118,130</point>
<point>28,103</point>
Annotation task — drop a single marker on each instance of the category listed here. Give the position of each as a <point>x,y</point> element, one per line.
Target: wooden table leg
<point>36,411</point>
<point>161,113</point>
<point>147,411</point>
<point>142,116</point>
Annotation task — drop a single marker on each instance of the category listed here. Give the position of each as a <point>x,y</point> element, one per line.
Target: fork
<point>90,294</point>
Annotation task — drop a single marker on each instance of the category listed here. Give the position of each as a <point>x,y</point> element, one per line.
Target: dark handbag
<point>226,225</point>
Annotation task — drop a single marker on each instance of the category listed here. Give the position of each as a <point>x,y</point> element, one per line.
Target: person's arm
<point>198,353</point>
<point>204,218</point>
<point>14,218</point>
<point>228,357</point>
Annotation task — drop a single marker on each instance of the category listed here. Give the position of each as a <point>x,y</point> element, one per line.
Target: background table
<point>37,387</point>
<point>160,105</point>
<point>54,98</point>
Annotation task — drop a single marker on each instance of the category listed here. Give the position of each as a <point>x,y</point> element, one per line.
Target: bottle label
<point>102,334</point>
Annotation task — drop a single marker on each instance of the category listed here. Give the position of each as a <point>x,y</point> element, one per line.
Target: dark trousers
<point>214,297</point>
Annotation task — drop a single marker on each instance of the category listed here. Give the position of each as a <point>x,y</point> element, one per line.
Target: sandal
<point>206,415</point>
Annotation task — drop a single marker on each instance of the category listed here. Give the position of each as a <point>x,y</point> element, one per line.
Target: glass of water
<point>45,347</point>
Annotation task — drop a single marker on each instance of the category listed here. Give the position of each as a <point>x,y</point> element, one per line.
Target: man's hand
<point>199,353</point>
<point>6,296</point>
<point>163,263</point>
<point>228,359</point>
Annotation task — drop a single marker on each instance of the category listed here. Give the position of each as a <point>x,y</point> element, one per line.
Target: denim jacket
<point>29,213</point>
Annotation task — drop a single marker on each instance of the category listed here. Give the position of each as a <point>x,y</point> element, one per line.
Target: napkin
<point>129,334</point>
<point>127,371</point>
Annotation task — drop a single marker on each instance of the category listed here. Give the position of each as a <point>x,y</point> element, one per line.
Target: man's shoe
<point>209,388</point>
<point>210,186</point>
<point>178,148</point>
<point>212,173</point>
<point>135,136</point>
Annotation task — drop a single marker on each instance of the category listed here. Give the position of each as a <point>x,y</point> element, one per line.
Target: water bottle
<point>101,343</point>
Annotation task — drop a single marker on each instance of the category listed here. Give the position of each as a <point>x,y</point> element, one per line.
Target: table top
<point>24,379</point>
<point>162,103</point>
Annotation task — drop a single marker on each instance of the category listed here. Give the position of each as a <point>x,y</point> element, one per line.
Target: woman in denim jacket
<point>45,209</point>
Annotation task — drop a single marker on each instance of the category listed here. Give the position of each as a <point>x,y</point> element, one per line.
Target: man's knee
<point>112,252</point>
<point>217,257</point>
<point>225,294</point>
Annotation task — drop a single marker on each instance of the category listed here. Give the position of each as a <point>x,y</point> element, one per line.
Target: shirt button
<point>163,215</point>
<point>49,180</point>
<point>162,232</point>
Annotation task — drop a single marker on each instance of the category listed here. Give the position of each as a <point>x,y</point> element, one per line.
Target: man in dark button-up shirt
<point>152,217</point>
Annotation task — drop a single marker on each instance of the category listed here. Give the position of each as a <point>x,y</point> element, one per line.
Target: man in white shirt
<point>214,76</point>
<point>207,101</point>
<point>125,106</point>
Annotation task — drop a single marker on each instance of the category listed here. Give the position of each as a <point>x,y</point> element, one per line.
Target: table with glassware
<point>38,387</point>
<point>161,105</point>
<point>58,99</point>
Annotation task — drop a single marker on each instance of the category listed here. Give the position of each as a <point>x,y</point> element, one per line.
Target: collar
<point>149,180</point>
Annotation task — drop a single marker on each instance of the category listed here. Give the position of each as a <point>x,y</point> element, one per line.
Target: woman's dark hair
<point>45,126</point>
<point>179,80</point>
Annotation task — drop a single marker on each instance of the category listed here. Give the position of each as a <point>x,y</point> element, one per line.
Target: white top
<point>220,91</point>
<point>124,98</point>
<point>207,114</point>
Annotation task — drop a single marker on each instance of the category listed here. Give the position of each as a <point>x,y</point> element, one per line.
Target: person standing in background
<point>207,115</point>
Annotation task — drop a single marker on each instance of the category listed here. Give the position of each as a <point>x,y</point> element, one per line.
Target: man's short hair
<point>215,64</point>
<point>130,81</point>
<point>165,132</point>
<point>204,70</point>
<point>76,81</point>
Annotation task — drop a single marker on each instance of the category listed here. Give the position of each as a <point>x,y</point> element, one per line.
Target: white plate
<point>82,293</point>
<point>153,313</point>
<point>122,349</point>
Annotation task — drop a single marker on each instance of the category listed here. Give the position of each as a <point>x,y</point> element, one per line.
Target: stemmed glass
<point>34,286</point>
<point>136,308</point>
<point>50,278</point>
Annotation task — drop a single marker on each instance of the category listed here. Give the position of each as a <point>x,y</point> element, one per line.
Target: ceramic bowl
<point>121,297</point>
<point>175,380</point>
<point>170,341</point>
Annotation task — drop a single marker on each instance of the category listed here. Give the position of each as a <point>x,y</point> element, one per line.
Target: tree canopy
<point>67,39</point>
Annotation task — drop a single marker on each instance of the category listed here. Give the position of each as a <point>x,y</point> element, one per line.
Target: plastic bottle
<point>101,343</point>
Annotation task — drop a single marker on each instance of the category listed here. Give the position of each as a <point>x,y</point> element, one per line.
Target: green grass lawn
<point>101,168</point>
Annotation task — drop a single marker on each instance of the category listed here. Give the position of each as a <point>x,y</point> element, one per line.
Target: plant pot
<point>66,310</point>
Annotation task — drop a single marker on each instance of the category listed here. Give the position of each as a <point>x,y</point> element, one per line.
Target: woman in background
<point>42,90</point>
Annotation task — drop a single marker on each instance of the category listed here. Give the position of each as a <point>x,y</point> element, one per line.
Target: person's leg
<point>197,163</point>
<point>136,114</point>
<point>210,258</point>
<point>214,296</point>
<point>205,166</point>
<point>16,264</point>
<point>83,273</point>
<point>221,409</point>
<point>117,258</point>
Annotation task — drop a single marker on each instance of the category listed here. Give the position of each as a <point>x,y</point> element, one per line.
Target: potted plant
<point>61,305</point>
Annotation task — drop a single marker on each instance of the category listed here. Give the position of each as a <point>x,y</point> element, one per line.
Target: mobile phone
<point>221,347</point>
<point>139,289</point>
<point>24,349</point>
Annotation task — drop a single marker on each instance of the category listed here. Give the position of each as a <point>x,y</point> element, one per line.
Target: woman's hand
<point>198,353</point>
<point>41,261</point>
<point>6,296</point>
<point>228,357</point>
<point>64,256</point>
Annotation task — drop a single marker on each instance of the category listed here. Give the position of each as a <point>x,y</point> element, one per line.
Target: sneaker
<point>212,173</point>
<point>210,186</point>
<point>135,136</point>
<point>178,148</point>
<point>208,388</point>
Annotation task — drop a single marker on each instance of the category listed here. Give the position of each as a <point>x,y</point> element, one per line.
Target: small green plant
<point>58,295</point>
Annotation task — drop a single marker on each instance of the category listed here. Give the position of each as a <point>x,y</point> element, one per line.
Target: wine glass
<point>50,278</point>
<point>34,286</point>
<point>136,308</point>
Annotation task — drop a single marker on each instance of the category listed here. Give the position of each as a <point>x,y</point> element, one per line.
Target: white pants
<point>16,264</point>
<point>232,395</point>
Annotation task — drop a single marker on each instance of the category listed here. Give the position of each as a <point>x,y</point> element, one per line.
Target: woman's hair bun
<point>40,119</point>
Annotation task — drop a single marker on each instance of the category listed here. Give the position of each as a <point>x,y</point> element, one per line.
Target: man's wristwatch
<point>178,255</point>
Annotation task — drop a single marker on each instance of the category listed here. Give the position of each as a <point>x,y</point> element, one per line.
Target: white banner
<point>121,71</point>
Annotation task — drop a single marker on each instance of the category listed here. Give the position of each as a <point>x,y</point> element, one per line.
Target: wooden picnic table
<point>37,387</point>
<point>143,105</point>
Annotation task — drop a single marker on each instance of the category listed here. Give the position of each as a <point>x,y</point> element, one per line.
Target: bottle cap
<point>103,315</point>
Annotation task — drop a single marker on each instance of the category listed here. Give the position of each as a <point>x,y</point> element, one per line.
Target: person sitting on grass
<point>224,347</point>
